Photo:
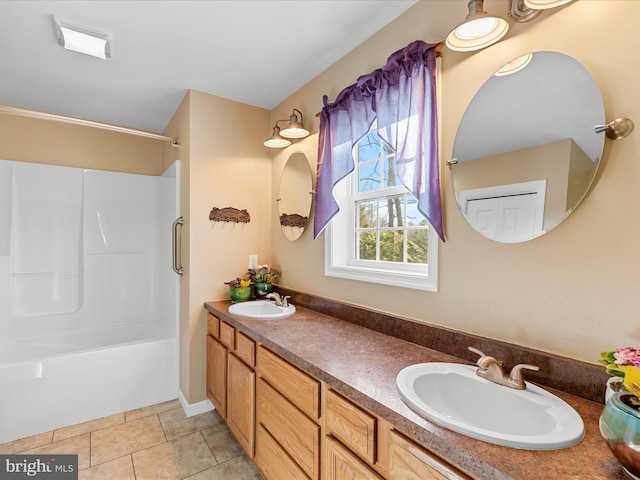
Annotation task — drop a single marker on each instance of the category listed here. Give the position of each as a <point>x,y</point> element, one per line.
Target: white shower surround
<point>88,297</point>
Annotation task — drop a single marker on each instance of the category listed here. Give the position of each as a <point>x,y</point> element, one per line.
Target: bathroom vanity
<point>313,397</point>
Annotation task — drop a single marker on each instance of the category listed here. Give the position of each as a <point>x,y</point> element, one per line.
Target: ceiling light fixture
<point>478,30</point>
<point>276,140</point>
<point>295,129</point>
<point>82,39</point>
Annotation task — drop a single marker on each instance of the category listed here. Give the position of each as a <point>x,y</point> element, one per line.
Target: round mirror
<point>526,152</point>
<point>294,196</point>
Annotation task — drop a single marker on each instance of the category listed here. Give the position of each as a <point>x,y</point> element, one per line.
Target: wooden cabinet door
<point>296,433</point>
<point>217,375</point>
<point>354,427</point>
<point>245,349</point>
<point>409,461</point>
<point>273,461</point>
<point>300,388</point>
<point>241,408</point>
<point>213,325</point>
<point>227,335</point>
<point>340,464</point>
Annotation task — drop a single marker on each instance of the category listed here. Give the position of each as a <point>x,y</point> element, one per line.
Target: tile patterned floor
<point>152,443</point>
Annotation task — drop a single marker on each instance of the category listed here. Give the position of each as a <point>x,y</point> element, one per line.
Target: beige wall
<point>45,141</point>
<point>573,291</point>
<point>223,164</point>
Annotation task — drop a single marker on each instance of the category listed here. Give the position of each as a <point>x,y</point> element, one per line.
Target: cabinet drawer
<point>294,431</point>
<point>409,461</point>
<point>246,349</point>
<point>351,425</point>
<point>301,389</point>
<point>273,462</point>
<point>227,335</point>
<point>213,325</point>
<point>340,464</point>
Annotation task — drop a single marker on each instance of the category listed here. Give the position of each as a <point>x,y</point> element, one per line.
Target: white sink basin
<point>453,396</point>
<point>261,309</point>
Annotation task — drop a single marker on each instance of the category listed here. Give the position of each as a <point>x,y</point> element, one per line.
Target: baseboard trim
<point>191,409</point>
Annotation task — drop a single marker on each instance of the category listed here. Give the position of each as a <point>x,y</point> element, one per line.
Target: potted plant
<point>239,289</point>
<point>619,363</point>
<point>262,278</point>
<point>620,419</point>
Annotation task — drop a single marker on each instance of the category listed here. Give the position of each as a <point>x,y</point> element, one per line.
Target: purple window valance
<point>402,97</point>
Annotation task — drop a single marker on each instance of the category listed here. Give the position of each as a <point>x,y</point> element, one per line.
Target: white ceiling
<point>252,51</point>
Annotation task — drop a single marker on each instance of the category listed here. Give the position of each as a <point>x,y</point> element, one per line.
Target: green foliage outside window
<point>389,228</point>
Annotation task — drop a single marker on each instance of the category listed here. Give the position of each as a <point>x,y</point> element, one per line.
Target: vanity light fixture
<point>544,4</point>
<point>295,129</point>
<point>527,10</point>
<point>276,140</point>
<point>478,30</point>
<point>82,39</point>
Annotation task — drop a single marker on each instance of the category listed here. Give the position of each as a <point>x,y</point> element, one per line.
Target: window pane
<point>366,214</point>
<point>386,149</point>
<point>367,245</point>
<point>391,212</point>
<point>418,245</point>
<point>390,175</point>
<point>369,147</point>
<point>391,245</point>
<point>414,217</point>
<point>369,177</point>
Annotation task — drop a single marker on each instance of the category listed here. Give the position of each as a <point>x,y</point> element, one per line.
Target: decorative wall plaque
<point>293,220</point>
<point>229,214</point>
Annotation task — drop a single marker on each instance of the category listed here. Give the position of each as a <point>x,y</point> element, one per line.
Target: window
<point>379,235</point>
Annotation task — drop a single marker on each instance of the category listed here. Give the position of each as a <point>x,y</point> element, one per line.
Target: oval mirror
<point>526,152</point>
<point>294,196</point>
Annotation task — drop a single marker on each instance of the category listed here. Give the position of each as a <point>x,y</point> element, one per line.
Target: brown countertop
<point>362,364</point>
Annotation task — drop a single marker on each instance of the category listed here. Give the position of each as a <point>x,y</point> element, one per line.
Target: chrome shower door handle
<point>175,247</point>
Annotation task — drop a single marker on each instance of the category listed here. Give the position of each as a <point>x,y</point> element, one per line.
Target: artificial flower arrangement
<point>263,274</point>
<point>620,420</point>
<point>239,289</point>
<point>238,283</point>
<point>623,363</point>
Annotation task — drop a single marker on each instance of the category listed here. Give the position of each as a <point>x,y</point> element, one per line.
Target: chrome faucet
<point>280,301</point>
<point>491,369</point>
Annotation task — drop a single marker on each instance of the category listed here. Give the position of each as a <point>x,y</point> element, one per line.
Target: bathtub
<point>88,296</point>
<point>53,381</point>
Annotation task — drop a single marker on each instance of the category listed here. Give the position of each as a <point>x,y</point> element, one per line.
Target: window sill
<point>383,277</point>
